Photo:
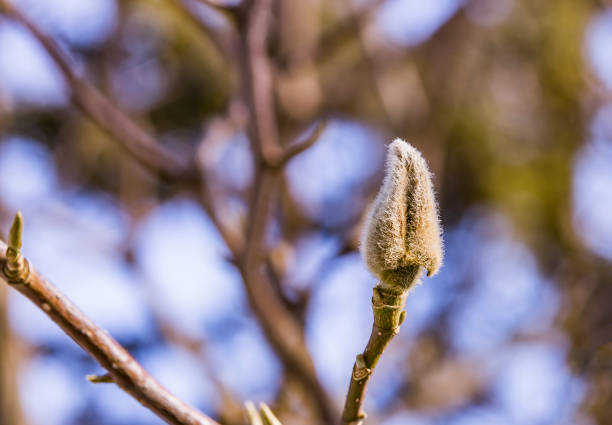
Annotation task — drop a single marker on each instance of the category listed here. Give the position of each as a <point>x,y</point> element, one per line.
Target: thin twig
<point>231,239</point>
<point>100,379</point>
<point>300,146</point>
<point>124,370</point>
<point>387,307</point>
<point>142,146</point>
<point>230,410</point>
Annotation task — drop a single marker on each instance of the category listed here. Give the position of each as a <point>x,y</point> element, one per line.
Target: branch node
<point>361,370</point>
<point>262,417</point>
<point>387,305</point>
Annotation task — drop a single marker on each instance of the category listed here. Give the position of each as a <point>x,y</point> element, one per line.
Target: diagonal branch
<point>124,370</point>
<point>230,410</point>
<point>300,146</point>
<point>142,146</point>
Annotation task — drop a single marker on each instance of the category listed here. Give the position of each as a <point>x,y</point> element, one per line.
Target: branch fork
<point>122,368</point>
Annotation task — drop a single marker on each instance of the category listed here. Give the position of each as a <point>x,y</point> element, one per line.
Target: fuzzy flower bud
<point>402,230</point>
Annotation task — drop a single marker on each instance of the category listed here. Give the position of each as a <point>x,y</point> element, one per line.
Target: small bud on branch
<point>401,235</point>
<point>16,268</point>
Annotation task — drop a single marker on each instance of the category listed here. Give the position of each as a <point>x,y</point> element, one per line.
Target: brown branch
<point>387,306</point>
<point>231,239</point>
<point>301,145</point>
<point>258,83</point>
<point>142,146</point>
<point>124,370</point>
<point>282,330</point>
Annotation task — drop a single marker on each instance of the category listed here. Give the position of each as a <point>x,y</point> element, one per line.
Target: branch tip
<point>14,240</point>
<point>262,417</point>
<point>252,414</point>
<point>100,379</point>
<point>16,269</point>
<point>268,417</point>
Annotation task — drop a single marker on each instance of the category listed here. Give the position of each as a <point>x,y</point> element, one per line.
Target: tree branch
<point>142,146</point>
<point>388,311</point>
<point>258,83</point>
<point>284,333</point>
<point>124,370</point>
<point>282,330</point>
<point>300,146</point>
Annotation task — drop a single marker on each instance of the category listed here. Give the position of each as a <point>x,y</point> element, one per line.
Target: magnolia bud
<point>402,230</point>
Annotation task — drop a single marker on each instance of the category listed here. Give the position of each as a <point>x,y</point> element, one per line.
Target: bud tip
<point>15,232</point>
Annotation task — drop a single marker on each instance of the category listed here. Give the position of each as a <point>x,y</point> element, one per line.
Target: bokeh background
<point>510,101</point>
